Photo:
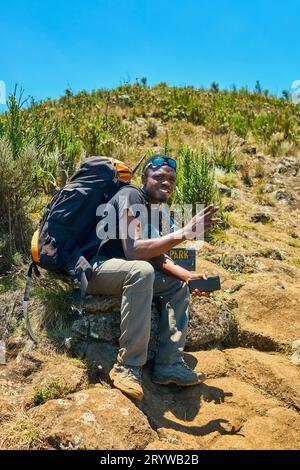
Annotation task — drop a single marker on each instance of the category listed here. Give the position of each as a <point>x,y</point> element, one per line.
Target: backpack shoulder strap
<point>138,189</point>
<point>32,268</point>
<point>96,242</point>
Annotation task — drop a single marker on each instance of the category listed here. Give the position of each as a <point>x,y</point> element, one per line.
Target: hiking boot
<point>128,379</point>
<point>179,373</point>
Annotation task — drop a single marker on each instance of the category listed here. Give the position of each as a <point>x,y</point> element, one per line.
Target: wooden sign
<point>184,257</point>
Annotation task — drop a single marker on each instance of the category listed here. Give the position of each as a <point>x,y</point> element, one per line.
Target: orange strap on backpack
<point>35,247</point>
<point>124,173</point>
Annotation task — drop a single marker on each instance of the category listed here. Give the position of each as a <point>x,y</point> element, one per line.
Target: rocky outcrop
<point>96,418</point>
<point>102,318</point>
<point>261,217</point>
<point>271,312</point>
<point>210,322</point>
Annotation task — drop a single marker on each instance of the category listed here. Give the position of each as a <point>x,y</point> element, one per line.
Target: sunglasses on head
<point>160,161</point>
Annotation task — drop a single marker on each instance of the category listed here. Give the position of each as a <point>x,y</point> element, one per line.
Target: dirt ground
<point>250,400</point>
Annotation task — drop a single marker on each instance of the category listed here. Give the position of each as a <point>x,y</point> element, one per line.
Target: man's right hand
<point>146,249</point>
<point>201,222</point>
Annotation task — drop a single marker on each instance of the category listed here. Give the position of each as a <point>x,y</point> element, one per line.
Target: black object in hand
<point>212,283</point>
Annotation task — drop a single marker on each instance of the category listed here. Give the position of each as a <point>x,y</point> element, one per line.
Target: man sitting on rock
<point>137,268</point>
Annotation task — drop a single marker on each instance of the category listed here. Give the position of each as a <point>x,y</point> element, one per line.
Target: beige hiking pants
<point>139,283</point>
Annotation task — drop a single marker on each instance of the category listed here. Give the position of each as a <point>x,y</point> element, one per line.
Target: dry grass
<point>21,432</point>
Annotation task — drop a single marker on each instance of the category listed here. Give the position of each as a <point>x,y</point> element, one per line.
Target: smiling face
<point>159,183</point>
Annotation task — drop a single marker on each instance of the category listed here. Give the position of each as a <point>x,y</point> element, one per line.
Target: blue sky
<point>48,46</point>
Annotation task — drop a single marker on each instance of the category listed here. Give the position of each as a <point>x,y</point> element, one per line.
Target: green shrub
<point>292,233</point>
<point>51,391</point>
<point>239,125</point>
<point>228,179</point>
<point>260,170</point>
<point>275,144</point>
<point>14,123</point>
<point>152,129</point>
<point>289,127</point>
<point>215,87</point>
<point>195,112</point>
<point>195,178</point>
<point>246,178</point>
<point>264,126</point>
<point>103,133</point>
<point>216,112</point>
<point>47,172</point>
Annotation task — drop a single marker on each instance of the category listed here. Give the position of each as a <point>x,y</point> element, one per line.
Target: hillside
<point>244,149</point>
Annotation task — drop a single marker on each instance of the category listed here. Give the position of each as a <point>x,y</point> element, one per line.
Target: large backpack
<point>69,218</point>
<point>58,244</point>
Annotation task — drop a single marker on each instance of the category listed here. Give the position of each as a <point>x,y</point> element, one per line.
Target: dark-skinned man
<point>138,269</point>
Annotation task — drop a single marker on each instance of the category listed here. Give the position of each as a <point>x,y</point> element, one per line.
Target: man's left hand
<point>196,292</point>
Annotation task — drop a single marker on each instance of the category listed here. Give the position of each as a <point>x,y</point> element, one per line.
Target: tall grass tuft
<point>224,151</point>
<point>17,188</point>
<point>19,160</point>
